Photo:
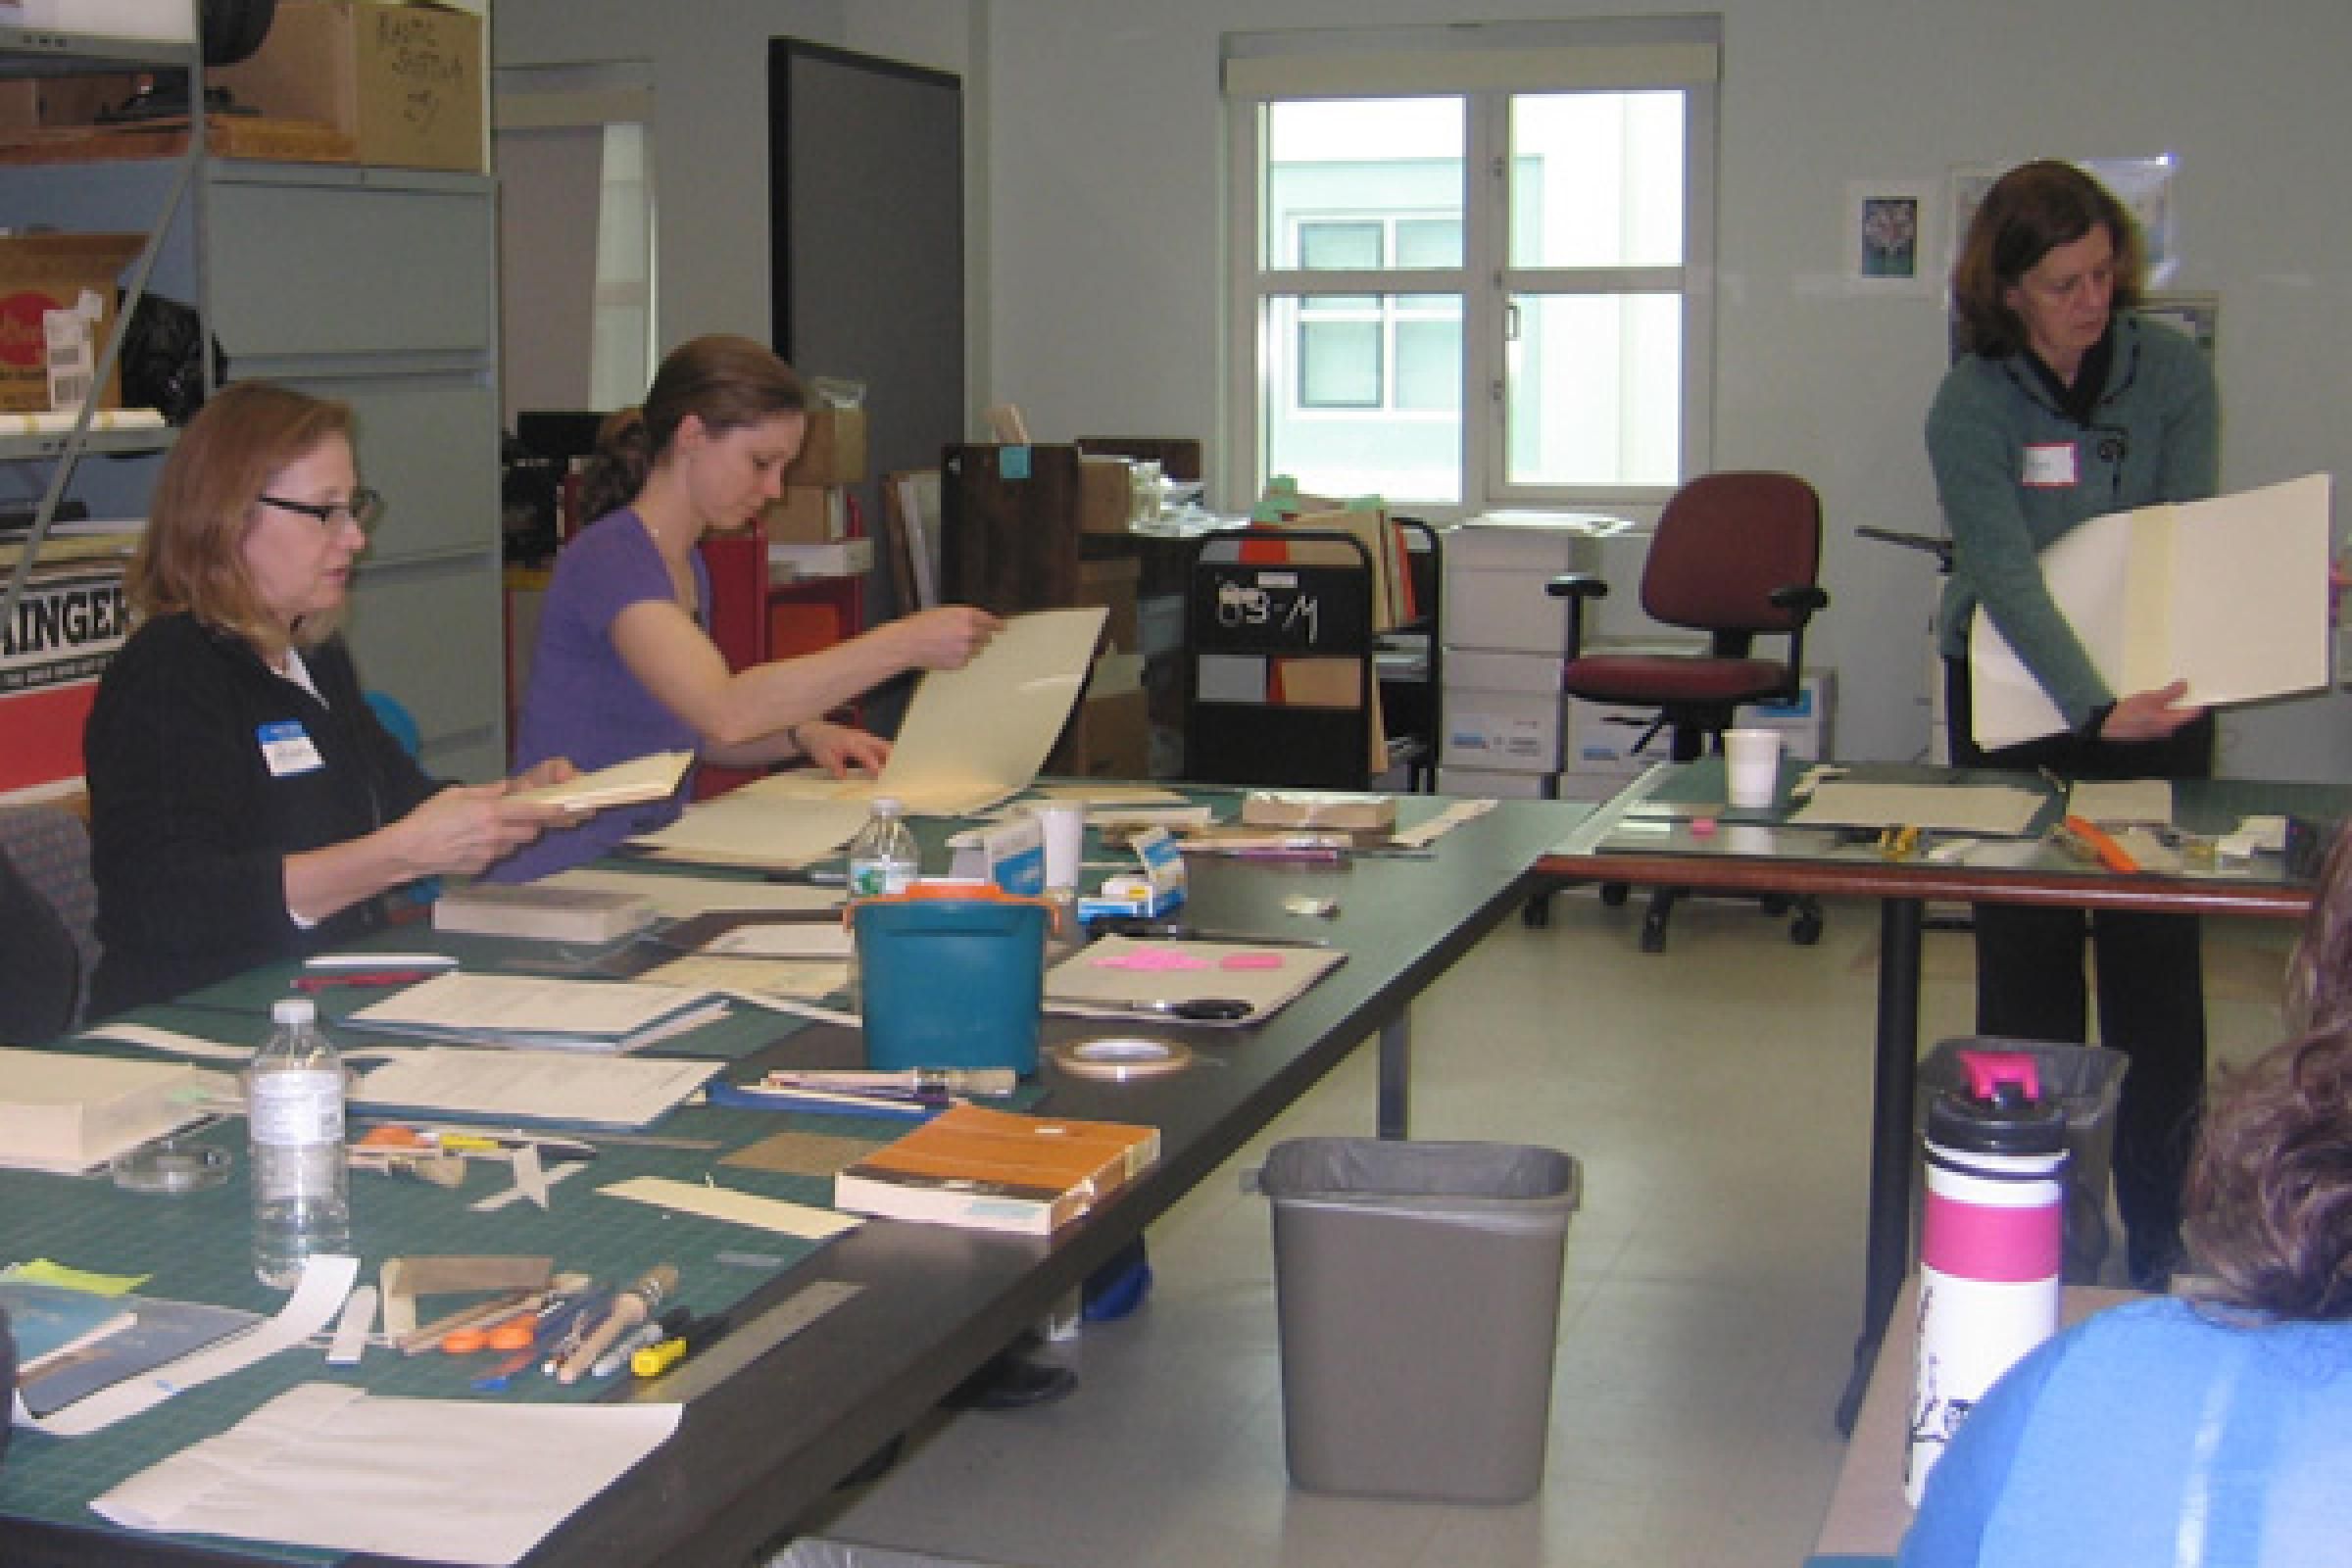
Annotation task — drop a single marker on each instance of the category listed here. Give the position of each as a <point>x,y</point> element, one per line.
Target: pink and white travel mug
<point>1990,1246</point>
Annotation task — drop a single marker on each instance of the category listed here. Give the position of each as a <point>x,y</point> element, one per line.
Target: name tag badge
<point>2050,465</point>
<point>287,747</point>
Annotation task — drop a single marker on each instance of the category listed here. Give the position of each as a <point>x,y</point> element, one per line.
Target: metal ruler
<point>747,1341</point>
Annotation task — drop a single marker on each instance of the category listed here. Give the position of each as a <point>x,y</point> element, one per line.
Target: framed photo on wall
<point>1885,234</point>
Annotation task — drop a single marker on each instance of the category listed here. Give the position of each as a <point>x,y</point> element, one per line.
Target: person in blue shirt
<point>2212,1428</point>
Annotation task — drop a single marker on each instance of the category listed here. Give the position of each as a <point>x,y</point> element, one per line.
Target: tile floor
<point>1718,1096</point>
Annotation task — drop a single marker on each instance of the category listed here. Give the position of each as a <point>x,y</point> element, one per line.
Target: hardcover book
<point>997,1170</point>
<point>541,913</point>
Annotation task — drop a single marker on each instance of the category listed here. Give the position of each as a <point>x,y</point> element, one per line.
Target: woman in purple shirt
<point>624,664</point>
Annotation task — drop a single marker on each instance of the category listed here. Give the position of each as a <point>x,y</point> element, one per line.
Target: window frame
<point>1486,68</point>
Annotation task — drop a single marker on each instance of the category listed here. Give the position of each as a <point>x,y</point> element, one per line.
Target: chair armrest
<point>1576,585</point>
<point>1800,598</point>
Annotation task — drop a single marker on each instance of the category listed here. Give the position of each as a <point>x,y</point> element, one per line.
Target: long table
<point>1768,854</point>
<point>770,1426</point>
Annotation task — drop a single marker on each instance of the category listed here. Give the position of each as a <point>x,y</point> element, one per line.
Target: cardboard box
<point>51,272</point>
<point>1112,583</point>
<point>833,452</point>
<point>1601,737</point>
<point>1517,732</point>
<point>1105,495</point>
<point>1496,784</point>
<point>404,82</point>
<point>1114,736</point>
<point>806,514</point>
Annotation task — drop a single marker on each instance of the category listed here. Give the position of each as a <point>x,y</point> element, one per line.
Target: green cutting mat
<point>196,1248</point>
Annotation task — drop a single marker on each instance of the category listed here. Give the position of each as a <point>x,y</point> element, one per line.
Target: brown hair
<point>2270,1190</point>
<point>2030,212</point>
<point>2319,977</point>
<point>727,382</point>
<point>190,557</point>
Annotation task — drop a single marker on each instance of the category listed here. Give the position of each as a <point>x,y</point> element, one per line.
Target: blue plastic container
<point>952,982</point>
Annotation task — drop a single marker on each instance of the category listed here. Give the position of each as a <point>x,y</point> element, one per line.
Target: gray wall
<point>1097,210</point>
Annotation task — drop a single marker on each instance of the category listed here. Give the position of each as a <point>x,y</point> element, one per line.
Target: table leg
<point>1396,1074</point>
<point>1888,1257</point>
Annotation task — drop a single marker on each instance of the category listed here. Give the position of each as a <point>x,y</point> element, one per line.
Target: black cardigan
<point>190,827</point>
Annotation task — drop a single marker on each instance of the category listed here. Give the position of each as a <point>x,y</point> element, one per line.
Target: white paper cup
<point>1751,761</point>
<point>1064,830</point>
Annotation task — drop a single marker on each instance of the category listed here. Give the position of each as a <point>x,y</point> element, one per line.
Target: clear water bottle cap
<point>889,805</point>
<point>293,1009</point>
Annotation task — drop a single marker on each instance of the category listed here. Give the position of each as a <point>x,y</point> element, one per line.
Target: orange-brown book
<point>997,1170</point>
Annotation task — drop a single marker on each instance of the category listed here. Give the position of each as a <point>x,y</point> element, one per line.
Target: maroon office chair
<point>1736,556</point>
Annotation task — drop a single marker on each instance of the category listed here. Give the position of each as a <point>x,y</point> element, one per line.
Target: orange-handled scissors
<point>515,1334</point>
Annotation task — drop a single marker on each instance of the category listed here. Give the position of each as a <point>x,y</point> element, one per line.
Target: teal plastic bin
<point>952,982</point>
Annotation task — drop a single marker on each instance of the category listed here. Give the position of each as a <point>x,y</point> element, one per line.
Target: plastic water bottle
<point>294,1108</point>
<point>1992,1244</point>
<point>883,860</point>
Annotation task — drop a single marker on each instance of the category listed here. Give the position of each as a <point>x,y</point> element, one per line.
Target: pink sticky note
<point>1251,961</point>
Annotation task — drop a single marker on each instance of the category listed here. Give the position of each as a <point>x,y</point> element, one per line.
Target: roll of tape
<point>1119,1058</point>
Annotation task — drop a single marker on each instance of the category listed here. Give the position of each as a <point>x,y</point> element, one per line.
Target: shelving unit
<point>175,207</point>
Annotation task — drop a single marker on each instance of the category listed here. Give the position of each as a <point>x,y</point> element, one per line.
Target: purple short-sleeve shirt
<point>584,703</point>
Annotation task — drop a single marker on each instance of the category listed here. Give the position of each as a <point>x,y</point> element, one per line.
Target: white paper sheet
<point>736,1207</point>
<point>464,1480</point>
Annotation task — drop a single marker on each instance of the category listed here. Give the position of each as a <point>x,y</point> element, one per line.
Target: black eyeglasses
<point>363,511</point>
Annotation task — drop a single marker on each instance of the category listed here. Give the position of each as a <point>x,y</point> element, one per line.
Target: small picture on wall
<point>1885,235</point>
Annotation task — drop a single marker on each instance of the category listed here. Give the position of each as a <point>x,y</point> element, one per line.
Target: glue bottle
<point>1992,1244</point>
<point>294,1108</point>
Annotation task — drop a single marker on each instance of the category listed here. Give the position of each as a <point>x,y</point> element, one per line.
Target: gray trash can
<point>1419,1287</point>
<point>2088,1080</point>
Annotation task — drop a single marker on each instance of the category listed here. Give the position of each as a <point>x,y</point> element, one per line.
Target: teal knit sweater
<point>2014,474</point>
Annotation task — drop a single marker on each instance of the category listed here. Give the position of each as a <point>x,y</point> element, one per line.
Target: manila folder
<point>2228,594</point>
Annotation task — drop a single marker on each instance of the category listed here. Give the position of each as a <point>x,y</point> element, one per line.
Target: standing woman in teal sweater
<point>2066,405</point>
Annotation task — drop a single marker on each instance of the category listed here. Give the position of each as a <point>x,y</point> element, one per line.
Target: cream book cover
<point>2230,594</point>
<point>63,1112</point>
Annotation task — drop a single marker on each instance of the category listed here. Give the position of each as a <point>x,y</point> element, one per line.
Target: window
<point>1474,263</point>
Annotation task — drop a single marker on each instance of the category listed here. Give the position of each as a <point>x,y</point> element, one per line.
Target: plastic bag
<point>161,364</point>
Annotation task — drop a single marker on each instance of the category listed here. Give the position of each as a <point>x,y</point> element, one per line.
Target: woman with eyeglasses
<point>2067,405</point>
<point>245,803</point>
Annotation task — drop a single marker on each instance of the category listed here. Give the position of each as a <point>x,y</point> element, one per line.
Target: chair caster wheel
<point>1536,912</point>
<point>1805,930</point>
<point>1654,936</point>
<point>1776,904</point>
<point>1613,895</point>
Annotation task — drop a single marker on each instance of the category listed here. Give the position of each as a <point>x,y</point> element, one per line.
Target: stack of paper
<point>502,1009</point>
<point>541,913</point>
<point>59,1112</point>
<point>543,1086</point>
<point>652,777</point>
